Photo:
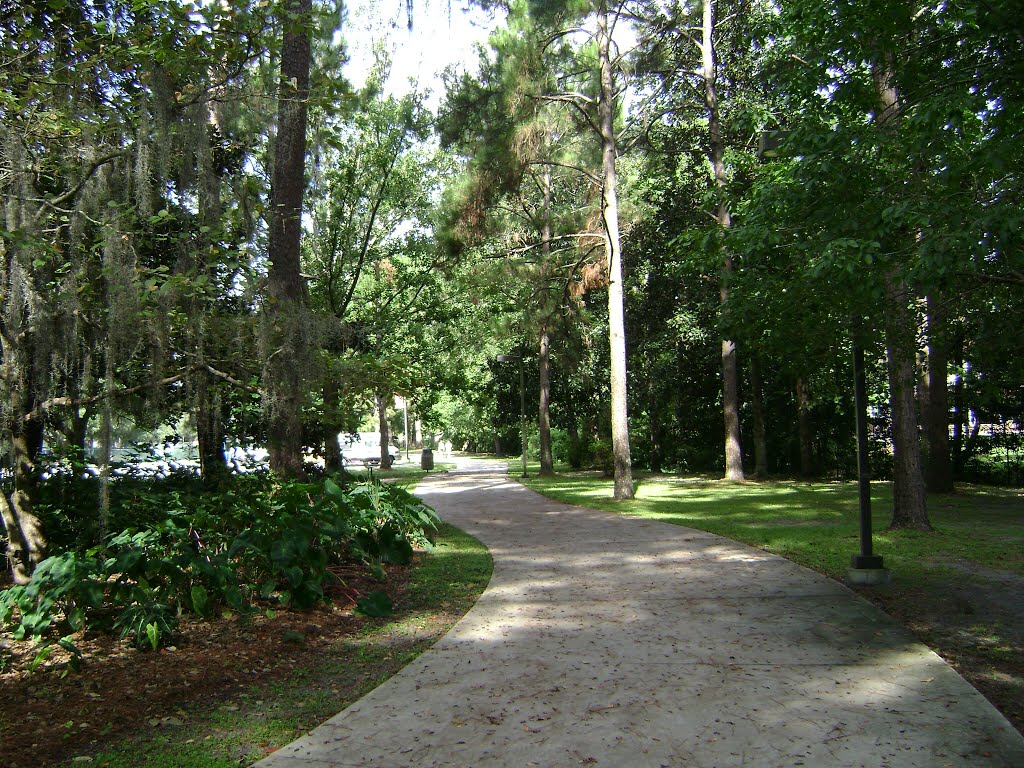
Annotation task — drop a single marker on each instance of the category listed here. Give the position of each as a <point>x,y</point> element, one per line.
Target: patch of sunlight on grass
<point>817,524</point>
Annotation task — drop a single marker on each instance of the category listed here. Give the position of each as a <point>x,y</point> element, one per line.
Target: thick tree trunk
<point>935,416</point>
<point>616,300</point>
<point>287,334</point>
<point>547,464</point>
<point>73,428</point>
<point>385,431</point>
<point>76,428</point>
<point>26,545</point>
<point>760,422</point>
<point>909,509</point>
<point>731,411</point>
<point>212,466</point>
<point>805,433</point>
<point>716,153</point>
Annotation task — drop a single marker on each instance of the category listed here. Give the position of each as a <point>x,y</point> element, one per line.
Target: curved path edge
<point>608,640</point>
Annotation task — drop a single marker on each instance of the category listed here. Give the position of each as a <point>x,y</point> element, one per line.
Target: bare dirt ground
<point>51,715</point>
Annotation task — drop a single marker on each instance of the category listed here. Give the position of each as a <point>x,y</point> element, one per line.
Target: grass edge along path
<point>815,524</point>
<point>957,589</point>
<point>443,586</point>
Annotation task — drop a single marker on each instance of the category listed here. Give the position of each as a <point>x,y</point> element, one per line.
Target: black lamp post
<point>865,559</point>
<point>865,567</point>
<point>522,399</point>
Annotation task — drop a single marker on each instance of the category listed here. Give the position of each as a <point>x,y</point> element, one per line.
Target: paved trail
<point>604,640</point>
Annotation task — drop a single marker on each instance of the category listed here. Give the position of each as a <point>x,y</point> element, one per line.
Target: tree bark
<point>959,419</point>
<point>938,469</point>
<point>616,302</point>
<point>286,328</point>
<point>75,428</point>
<point>547,464</point>
<point>716,153</point>
<point>575,443</point>
<point>909,510</point>
<point>806,434</point>
<point>385,431</point>
<point>760,422</point>
<point>332,450</point>
<point>212,467</point>
<point>654,420</point>
<point>26,545</point>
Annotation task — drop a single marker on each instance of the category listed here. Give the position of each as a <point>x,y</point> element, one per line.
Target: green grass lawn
<point>817,524</point>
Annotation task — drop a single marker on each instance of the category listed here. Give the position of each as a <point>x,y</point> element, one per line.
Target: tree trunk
<point>332,450</point>
<point>26,545</point>
<point>575,443</point>
<point>547,464</point>
<point>76,428</point>
<point>958,415</point>
<point>616,301</point>
<point>385,431</point>
<point>938,471</point>
<point>909,509</point>
<point>212,466</point>
<point>73,428</point>
<point>287,334</point>
<point>106,445</point>
<point>806,434</point>
<point>654,420</point>
<point>760,423</point>
<point>716,153</point>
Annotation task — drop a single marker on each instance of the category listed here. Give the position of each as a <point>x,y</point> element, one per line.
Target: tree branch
<point>582,171</point>
<point>232,380</point>
<point>71,402</point>
<point>571,101</point>
<point>61,199</point>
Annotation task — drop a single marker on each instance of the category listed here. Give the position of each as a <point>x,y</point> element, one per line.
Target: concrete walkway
<point>604,640</point>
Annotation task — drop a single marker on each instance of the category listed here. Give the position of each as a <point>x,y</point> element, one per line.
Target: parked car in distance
<point>361,448</point>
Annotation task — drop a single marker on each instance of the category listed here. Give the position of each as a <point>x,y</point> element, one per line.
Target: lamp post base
<point>866,561</point>
<point>867,571</point>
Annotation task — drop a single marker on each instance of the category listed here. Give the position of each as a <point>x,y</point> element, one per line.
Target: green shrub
<point>578,453</point>
<point>561,445</point>
<point>260,540</point>
<point>602,456</point>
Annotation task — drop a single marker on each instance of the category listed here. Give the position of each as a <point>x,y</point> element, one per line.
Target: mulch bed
<point>53,715</point>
